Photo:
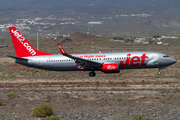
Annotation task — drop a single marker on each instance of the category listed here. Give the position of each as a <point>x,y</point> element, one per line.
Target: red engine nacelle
<point>110,68</point>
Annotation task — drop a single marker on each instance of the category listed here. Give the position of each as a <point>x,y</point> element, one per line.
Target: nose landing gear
<point>160,69</point>
<point>159,73</point>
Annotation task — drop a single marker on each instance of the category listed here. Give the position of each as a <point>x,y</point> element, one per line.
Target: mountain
<point>51,4</point>
<point>164,15</point>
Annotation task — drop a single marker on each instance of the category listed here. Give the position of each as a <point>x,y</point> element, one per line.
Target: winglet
<point>62,50</point>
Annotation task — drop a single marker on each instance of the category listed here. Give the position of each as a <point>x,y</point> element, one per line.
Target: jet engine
<point>110,68</point>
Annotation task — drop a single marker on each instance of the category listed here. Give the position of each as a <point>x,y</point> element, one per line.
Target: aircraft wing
<point>80,61</point>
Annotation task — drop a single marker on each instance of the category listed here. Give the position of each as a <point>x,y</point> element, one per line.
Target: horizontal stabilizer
<point>17,58</point>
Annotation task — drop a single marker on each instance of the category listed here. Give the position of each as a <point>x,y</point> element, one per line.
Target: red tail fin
<point>22,47</point>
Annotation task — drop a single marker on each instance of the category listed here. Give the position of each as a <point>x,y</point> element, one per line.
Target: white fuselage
<point>125,60</point>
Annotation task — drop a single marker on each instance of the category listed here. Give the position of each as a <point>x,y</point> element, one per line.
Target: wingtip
<point>62,50</point>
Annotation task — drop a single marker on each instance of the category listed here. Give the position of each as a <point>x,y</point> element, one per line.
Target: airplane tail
<point>22,47</point>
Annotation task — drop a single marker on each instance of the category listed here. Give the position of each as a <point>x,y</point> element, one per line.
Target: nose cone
<point>173,60</point>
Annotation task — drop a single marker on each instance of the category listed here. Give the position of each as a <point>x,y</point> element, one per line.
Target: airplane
<point>112,62</point>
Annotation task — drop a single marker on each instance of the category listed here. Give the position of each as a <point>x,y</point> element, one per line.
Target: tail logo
<point>19,37</point>
<point>23,42</point>
<point>31,51</point>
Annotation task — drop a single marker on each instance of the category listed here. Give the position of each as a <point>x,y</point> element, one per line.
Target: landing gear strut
<point>92,74</point>
<point>159,71</point>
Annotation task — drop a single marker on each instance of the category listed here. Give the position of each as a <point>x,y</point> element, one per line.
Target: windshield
<point>165,56</point>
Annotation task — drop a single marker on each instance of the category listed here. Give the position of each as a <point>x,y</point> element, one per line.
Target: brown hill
<point>82,37</point>
<point>78,38</point>
<point>66,40</point>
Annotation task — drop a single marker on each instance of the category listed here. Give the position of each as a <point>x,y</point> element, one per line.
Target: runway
<point>91,84</point>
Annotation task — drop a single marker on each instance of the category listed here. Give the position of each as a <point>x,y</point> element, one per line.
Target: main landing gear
<point>92,74</point>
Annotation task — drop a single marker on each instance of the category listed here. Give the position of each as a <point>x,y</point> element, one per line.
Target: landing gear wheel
<point>159,73</point>
<point>92,74</point>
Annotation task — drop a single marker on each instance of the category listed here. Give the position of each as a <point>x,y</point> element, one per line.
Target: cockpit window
<point>165,56</point>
